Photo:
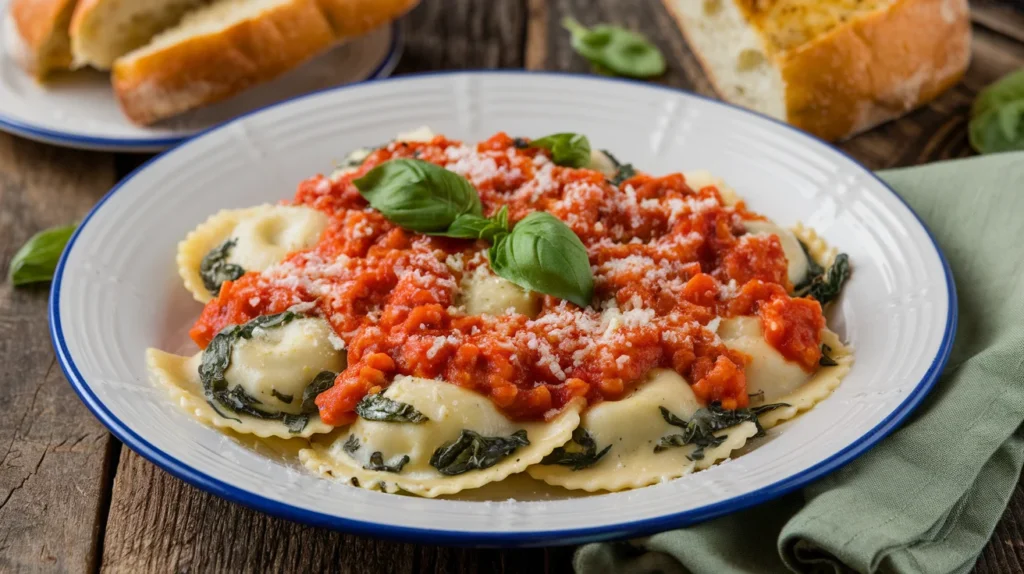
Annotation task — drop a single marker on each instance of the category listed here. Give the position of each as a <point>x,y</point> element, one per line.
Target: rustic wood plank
<point>461,34</point>
<point>1000,16</point>
<point>53,453</point>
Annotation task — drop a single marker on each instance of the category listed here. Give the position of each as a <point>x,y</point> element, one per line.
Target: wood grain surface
<point>72,500</point>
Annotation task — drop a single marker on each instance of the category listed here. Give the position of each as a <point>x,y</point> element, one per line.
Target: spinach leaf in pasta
<point>825,284</point>
<point>214,269</point>
<point>380,408</point>
<point>471,451</point>
<point>351,445</point>
<point>701,428</point>
<point>623,171</point>
<point>826,360</point>
<point>320,383</point>
<point>377,463</point>
<point>579,453</point>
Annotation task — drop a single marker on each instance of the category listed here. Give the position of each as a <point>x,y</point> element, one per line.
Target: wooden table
<point>72,499</point>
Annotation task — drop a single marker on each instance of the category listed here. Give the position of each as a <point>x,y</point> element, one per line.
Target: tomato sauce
<point>667,260</point>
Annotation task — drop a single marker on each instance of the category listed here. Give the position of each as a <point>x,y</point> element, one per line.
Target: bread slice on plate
<point>831,67</point>
<point>104,30</point>
<point>216,52</point>
<point>43,27</point>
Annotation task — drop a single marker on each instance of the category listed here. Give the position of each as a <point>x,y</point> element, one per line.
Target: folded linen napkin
<point>927,498</point>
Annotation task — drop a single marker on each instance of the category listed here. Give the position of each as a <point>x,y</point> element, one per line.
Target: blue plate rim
<point>625,529</point>
<point>143,144</point>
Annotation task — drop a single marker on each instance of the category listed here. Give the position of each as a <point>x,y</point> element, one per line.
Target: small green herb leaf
<point>542,254</point>
<point>472,451</point>
<point>616,50</point>
<point>380,408</point>
<point>418,195</point>
<point>567,149</point>
<point>826,286</point>
<point>36,261</point>
<point>214,269</point>
<point>377,463</point>
<point>997,116</point>
<point>579,453</point>
<point>623,171</point>
<point>469,226</point>
<point>826,360</point>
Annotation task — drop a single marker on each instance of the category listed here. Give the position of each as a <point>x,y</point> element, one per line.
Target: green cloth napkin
<point>927,498</point>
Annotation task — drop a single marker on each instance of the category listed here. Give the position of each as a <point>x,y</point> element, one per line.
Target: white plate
<point>78,109</point>
<point>117,292</point>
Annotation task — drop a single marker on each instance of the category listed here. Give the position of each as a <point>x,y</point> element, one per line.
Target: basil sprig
<point>36,261</point>
<point>541,253</point>
<point>222,397</point>
<point>701,428</point>
<point>826,284</point>
<point>616,50</point>
<point>567,149</point>
<point>997,116</point>
<point>214,269</point>
<point>419,195</point>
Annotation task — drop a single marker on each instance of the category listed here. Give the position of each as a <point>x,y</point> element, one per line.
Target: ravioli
<point>449,410</point>
<point>260,237</point>
<point>701,178</point>
<point>484,293</point>
<point>273,367</point>
<point>633,428</point>
<point>796,259</point>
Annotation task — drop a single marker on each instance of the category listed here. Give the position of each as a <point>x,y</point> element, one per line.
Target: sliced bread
<point>104,30</point>
<point>831,67</point>
<point>43,27</point>
<point>217,51</point>
<point>354,17</point>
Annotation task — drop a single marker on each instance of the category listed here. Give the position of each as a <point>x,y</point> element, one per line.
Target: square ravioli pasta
<point>435,316</point>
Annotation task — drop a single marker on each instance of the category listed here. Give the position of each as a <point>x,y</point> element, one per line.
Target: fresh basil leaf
<point>472,451</point>
<point>826,360</point>
<point>37,259</point>
<point>543,254</point>
<point>468,226</point>
<point>320,383</point>
<point>380,408</point>
<point>999,129</point>
<point>616,50</point>
<point>418,195</point>
<point>214,269</point>
<point>567,149</point>
<point>826,286</point>
<point>377,463</point>
<point>579,453</point>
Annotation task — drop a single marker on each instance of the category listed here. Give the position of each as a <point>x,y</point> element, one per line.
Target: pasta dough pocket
<point>429,437</point>
<point>235,241</point>
<point>633,441</point>
<point>260,378</point>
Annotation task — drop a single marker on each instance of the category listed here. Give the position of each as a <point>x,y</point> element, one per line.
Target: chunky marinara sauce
<point>667,260</point>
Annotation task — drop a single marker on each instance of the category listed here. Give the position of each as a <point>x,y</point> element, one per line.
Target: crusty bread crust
<point>871,69</point>
<point>354,17</point>
<point>209,68</point>
<point>43,27</point>
<point>877,68</point>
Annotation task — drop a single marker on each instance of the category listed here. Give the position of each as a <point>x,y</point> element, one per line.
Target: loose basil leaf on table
<point>997,116</point>
<point>616,50</point>
<point>543,254</point>
<point>418,195</point>
<point>567,149</point>
<point>36,261</point>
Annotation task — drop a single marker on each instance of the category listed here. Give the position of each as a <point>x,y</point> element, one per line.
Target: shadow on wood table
<point>72,499</point>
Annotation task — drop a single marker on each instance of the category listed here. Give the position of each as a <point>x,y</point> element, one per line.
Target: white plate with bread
<point>145,75</point>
